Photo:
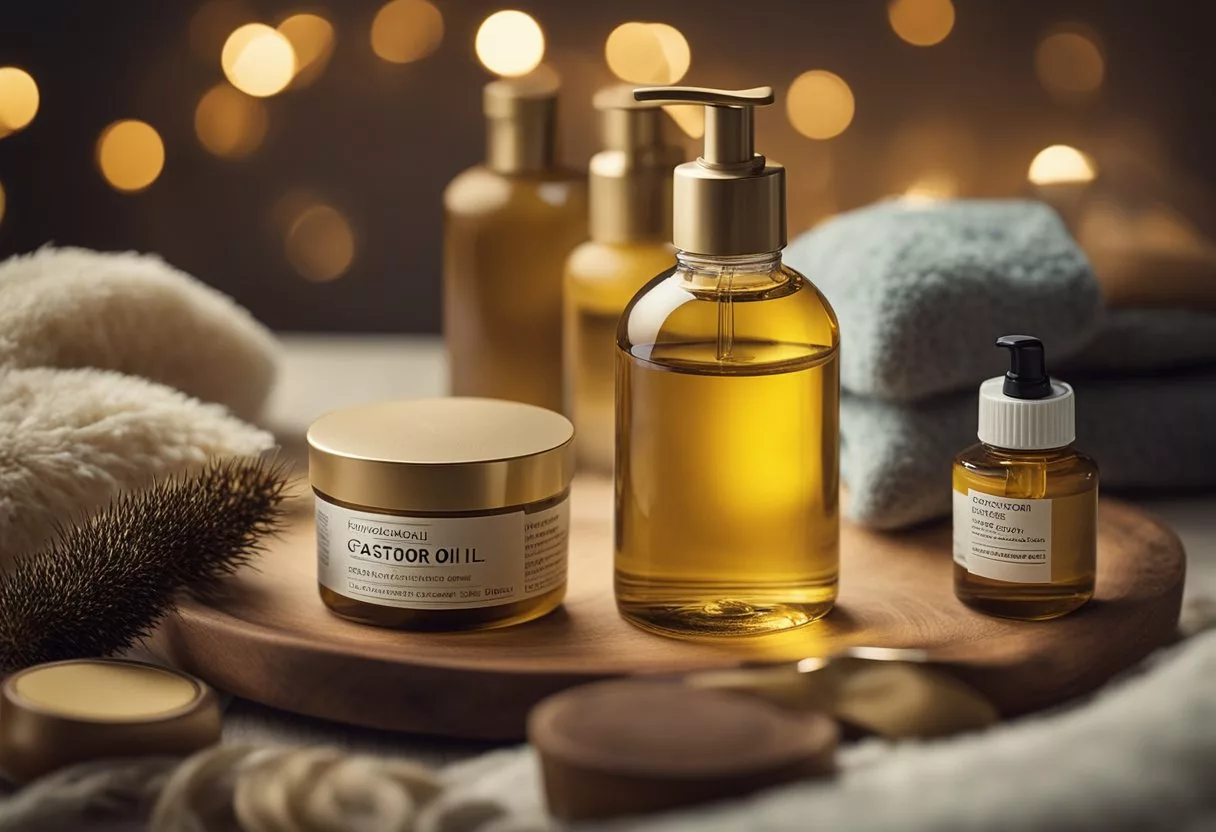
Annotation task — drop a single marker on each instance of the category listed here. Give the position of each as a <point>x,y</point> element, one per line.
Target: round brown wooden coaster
<point>632,746</point>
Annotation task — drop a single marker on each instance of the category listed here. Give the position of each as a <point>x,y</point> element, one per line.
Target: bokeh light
<point>1069,61</point>
<point>647,53</point>
<point>312,40</point>
<point>130,154</point>
<point>406,30</point>
<point>319,243</point>
<point>229,123</point>
<point>18,99</point>
<point>258,60</point>
<point>921,22</point>
<point>675,50</point>
<point>1061,164</point>
<point>819,104</point>
<point>510,43</point>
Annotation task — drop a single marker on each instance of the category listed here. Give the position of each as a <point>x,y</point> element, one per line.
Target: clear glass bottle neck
<point>758,264</point>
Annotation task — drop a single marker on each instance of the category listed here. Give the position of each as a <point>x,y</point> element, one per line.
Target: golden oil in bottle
<point>728,452</point>
<point>728,437</point>
<point>508,227</point>
<point>630,226</point>
<point>1025,501</point>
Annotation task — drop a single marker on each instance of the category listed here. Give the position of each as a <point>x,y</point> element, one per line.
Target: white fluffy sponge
<point>71,439</point>
<point>134,313</point>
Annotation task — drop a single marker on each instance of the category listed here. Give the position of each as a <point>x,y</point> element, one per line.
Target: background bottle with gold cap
<point>727,407</point>
<point>630,225</point>
<point>509,225</point>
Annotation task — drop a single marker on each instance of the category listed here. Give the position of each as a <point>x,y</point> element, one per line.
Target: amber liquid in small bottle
<point>727,451</point>
<point>1069,479</point>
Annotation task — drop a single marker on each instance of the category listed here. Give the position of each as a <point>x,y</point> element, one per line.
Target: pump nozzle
<point>731,201</point>
<point>1027,376</point>
<point>728,119</point>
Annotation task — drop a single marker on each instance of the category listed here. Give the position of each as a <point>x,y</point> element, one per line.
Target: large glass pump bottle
<point>630,215</point>
<point>509,225</point>
<point>728,386</point>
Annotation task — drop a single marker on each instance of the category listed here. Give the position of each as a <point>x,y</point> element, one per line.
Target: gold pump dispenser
<point>508,226</point>
<point>731,200</point>
<point>727,409</point>
<point>630,223</point>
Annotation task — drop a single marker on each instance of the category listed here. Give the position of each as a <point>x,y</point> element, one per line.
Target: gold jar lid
<point>450,454</point>
<point>54,715</point>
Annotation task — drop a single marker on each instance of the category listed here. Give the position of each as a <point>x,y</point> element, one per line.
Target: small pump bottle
<point>509,225</point>
<point>727,406</point>
<point>630,243</point>
<point>1025,500</point>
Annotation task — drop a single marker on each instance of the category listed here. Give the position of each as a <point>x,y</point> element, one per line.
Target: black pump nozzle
<point>1027,376</point>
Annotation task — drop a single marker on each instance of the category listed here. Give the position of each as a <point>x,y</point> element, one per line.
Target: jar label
<point>1003,538</point>
<point>441,563</point>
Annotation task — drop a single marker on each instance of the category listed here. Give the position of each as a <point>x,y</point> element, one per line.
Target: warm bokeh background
<point>319,206</point>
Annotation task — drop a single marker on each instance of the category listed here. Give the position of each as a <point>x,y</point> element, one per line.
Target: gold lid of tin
<point>630,179</point>
<point>731,200</point>
<point>57,714</point>
<point>445,455</point>
<point>521,122</point>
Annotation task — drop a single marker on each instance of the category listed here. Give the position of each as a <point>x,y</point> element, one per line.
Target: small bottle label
<point>1003,538</point>
<point>441,563</point>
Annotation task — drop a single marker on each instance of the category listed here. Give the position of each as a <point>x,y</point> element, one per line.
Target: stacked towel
<point>115,369</point>
<point>922,291</point>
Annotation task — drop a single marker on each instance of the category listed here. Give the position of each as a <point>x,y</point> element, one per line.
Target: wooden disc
<point>627,747</point>
<point>271,640</point>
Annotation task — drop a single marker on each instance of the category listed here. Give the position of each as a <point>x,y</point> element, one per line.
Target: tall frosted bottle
<point>630,225</point>
<point>727,458</point>
<point>509,225</point>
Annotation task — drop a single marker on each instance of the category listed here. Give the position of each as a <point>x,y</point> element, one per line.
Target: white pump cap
<point>1026,424</point>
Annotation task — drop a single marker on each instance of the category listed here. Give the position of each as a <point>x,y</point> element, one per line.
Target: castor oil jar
<point>441,514</point>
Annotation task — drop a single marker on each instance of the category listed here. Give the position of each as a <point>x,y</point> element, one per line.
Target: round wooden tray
<point>271,640</point>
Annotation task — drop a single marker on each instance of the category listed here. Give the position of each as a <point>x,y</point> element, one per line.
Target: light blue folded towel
<point>922,291</point>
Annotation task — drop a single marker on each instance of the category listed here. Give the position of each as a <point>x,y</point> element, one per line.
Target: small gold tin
<point>58,714</point>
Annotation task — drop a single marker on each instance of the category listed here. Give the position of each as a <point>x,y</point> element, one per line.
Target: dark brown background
<point>379,141</point>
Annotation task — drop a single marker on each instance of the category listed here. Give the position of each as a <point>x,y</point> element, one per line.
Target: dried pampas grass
<point>100,586</point>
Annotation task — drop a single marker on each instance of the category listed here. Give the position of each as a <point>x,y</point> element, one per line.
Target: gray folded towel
<point>1139,340</point>
<point>921,291</point>
<point>1143,432</point>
